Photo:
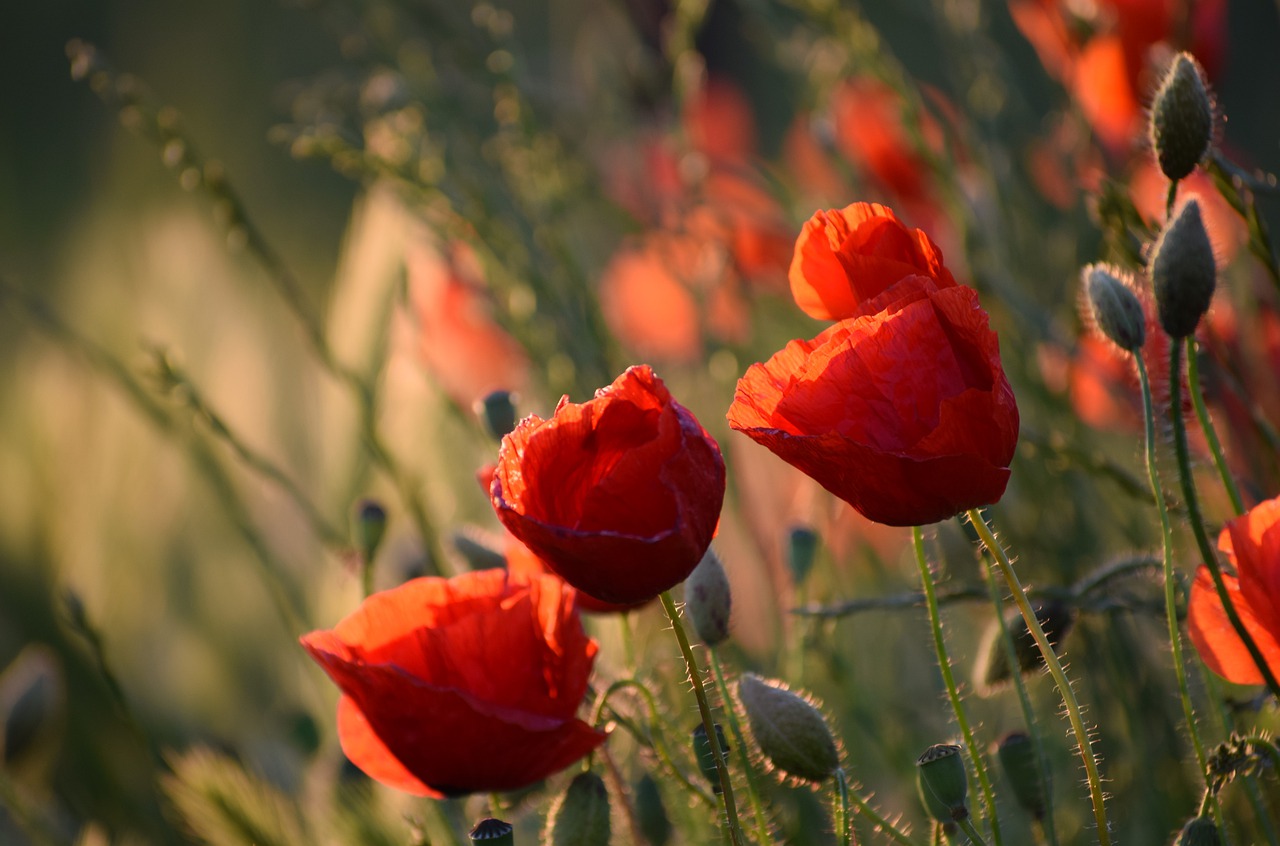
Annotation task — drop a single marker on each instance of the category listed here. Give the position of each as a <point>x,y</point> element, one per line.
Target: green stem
<point>1055,669</point>
<point>735,728</point>
<point>1197,521</point>
<point>878,821</point>
<point>971,831</point>
<point>953,692</point>
<point>1028,713</point>
<point>736,836</point>
<point>1206,426</point>
<point>841,812</point>
<point>1166,548</point>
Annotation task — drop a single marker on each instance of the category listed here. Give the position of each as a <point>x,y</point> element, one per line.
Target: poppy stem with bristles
<point>1210,433</point>
<point>953,692</point>
<point>1055,669</point>
<point>1192,504</point>
<point>736,836</point>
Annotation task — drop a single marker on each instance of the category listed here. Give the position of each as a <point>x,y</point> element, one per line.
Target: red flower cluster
<point>901,409</point>
<point>620,495</point>
<point>454,686</point>
<point>1251,543</point>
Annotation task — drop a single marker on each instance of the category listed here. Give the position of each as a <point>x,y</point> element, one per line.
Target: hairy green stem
<point>735,728</point>
<point>971,831</point>
<point>1192,503</point>
<point>1206,426</point>
<point>841,810</point>
<point>734,827</point>
<point>953,692</point>
<point>1083,743</point>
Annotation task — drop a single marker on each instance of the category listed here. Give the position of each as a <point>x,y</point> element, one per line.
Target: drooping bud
<point>1183,272</point>
<point>370,528</point>
<point>651,813</point>
<point>789,729</point>
<point>942,782</point>
<point>706,756</point>
<point>497,411</point>
<point>1181,118</point>
<point>1114,306</point>
<point>993,672</point>
<point>708,600</point>
<point>802,551</point>
<point>580,816</point>
<point>1017,756</point>
<point>493,832</point>
<point>1199,831</point>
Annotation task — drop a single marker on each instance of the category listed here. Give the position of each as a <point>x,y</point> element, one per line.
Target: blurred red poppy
<point>619,495</point>
<point>454,686</point>
<point>1251,542</point>
<point>903,410</point>
<point>869,131</point>
<point>844,257</point>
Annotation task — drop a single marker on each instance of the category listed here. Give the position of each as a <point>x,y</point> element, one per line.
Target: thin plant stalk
<point>1166,546</point>
<point>1047,827</point>
<point>953,692</point>
<point>841,810</point>
<point>971,831</point>
<point>735,728</point>
<point>734,827</point>
<point>1060,679</point>
<point>1192,504</point>
<point>1210,433</point>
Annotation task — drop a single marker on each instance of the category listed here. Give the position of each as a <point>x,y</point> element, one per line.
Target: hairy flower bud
<point>993,670</point>
<point>497,411</point>
<point>942,782</point>
<point>1114,306</point>
<point>789,729</point>
<point>708,601</point>
<point>493,832</point>
<point>1181,118</point>
<point>1199,831</point>
<point>1183,272</point>
<point>580,816</point>
<point>1017,756</point>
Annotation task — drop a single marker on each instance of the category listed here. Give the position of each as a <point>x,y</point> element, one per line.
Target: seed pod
<point>1114,306</point>
<point>706,757</point>
<point>708,600</point>
<point>1055,617</point>
<point>1183,272</point>
<point>580,815</point>
<point>1199,831</point>
<point>493,832</point>
<point>943,783</point>
<point>789,729</point>
<point>1017,756</point>
<point>1182,117</point>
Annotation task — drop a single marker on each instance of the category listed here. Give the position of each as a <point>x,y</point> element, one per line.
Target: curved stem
<point>704,707</point>
<point>1166,547</point>
<point>735,728</point>
<point>1206,426</point>
<point>953,692</point>
<point>1192,503</point>
<point>1051,661</point>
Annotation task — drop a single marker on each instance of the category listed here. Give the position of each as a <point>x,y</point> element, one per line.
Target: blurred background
<point>260,259</point>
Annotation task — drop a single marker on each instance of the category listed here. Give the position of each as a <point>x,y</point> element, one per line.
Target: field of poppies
<point>715,422</point>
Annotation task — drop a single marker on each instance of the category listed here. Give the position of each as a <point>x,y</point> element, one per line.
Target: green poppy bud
<point>802,551</point>
<point>371,526</point>
<point>497,411</point>
<point>651,813</point>
<point>1017,756</point>
<point>706,756</point>
<point>580,816</point>
<point>993,672</point>
<point>943,783</point>
<point>1114,306</point>
<point>1181,118</point>
<point>1183,272</point>
<point>493,832</point>
<point>789,729</point>
<point>32,709</point>
<point>481,550</point>
<point>1199,831</point>
<point>708,600</point>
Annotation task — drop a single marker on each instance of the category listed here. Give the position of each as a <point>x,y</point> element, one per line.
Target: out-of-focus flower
<point>847,256</point>
<point>619,495</point>
<point>1104,53</point>
<point>645,303</point>
<point>903,410</point>
<point>1251,543</point>
<point>719,122</point>
<point>869,132</point>
<point>459,343</point>
<point>453,686</point>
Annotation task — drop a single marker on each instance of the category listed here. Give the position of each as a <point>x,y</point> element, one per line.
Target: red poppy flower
<point>454,686</point>
<point>1252,543</point>
<point>619,495</point>
<point>844,257</point>
<point>903,411</point>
